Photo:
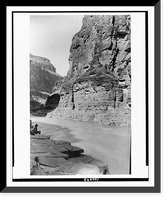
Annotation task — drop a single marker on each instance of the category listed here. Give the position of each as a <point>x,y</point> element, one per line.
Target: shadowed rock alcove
<point>52,102</point>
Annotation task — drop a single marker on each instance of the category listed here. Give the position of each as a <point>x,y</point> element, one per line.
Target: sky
<point>51,37</point>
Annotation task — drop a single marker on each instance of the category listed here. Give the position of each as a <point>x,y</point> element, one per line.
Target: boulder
<point>73,151</point>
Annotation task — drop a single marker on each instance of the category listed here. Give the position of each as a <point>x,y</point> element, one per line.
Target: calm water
<point>108,144</point>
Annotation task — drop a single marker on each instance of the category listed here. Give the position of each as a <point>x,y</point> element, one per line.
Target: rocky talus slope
<point>98,84</point>
<point>42,79</point>
<point>57,157</point>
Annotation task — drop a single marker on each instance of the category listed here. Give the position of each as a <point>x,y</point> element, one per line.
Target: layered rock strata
<point>57,157</point>
<point>98,83</point>
<point>42,80</point>
<point>42,74</point>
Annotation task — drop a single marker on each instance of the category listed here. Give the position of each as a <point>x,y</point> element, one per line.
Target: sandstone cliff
<point>42,79</point>
<point>98,84</point>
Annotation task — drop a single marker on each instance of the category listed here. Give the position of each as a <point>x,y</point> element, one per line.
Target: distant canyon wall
<point>42,74</point>
<point>42,80</point>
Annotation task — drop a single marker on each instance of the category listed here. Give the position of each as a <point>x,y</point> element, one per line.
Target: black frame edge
<point>157,96</point>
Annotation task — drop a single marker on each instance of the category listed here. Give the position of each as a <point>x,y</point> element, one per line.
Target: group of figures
<point>33,129</point>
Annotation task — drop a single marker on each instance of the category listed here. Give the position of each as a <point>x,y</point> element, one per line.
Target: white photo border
<point>136,181</point>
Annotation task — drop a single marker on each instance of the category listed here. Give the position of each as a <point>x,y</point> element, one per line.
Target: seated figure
<point>33,130</point>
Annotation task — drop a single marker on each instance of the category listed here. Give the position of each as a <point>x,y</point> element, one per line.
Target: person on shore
<point>34,130</point>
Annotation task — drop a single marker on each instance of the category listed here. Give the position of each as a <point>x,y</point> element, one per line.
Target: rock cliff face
<point>98,84</point>
<point>42,74</point>
<point>42,79</point>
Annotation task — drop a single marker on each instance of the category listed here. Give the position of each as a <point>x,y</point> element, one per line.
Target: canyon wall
<point>42,80</point>
<point>42,74</point>
<point>97,87</point>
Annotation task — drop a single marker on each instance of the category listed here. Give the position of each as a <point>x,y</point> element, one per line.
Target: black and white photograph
<point>80,104</point>
<point>80,99</point>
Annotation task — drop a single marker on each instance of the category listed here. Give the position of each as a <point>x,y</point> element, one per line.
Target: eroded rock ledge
<point>58,157</point>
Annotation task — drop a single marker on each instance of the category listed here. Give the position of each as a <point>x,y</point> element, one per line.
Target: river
<point>106,143</point>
